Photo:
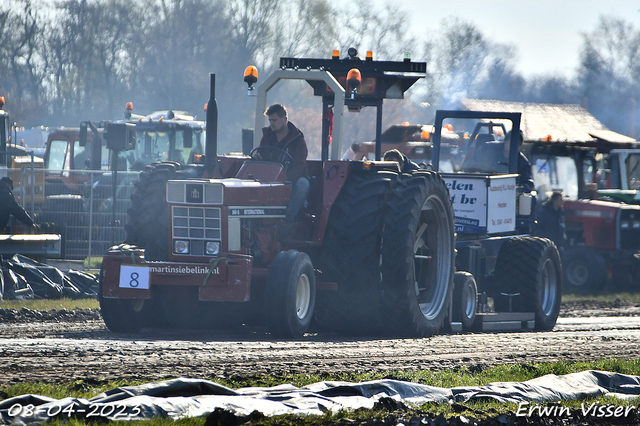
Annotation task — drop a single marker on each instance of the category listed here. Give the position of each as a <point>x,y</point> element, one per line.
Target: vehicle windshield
<point>552,173</point>
<point>56,157</point>
<point>166,145</point>
<point>633,171</point>
<point>82,155</point>
<point>470,146</point>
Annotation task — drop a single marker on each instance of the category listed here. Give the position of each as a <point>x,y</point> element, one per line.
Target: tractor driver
<point>282,134</point>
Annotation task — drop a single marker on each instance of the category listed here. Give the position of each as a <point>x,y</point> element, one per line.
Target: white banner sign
<point>501,205</point>
<point>469,198</point>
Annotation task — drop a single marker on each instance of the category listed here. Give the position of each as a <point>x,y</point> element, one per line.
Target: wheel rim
<point>469,301</point>
<point>303,296</point>
<point>577,274</point>
<point>549,287</point>
<point>432,248</point>
<point>137,305</point>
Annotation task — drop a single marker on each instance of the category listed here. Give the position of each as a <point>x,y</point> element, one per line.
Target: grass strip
<point>386,412</point>
<point>50,304</point>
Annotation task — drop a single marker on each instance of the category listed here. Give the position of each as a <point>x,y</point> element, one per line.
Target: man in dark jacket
<point>551,220</point>
<point>284,135</point>
<point>9,206</point>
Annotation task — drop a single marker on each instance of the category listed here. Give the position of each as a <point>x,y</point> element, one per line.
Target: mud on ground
<point>63,345</point>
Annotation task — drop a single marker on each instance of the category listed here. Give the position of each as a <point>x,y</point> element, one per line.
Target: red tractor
<point>374,250</point>
<point>203,241</point>
<point>602,219</point>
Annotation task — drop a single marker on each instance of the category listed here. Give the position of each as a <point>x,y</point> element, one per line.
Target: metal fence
<point>79,205</point>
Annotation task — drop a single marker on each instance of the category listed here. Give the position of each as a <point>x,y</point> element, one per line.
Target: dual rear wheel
<point>417,256</point>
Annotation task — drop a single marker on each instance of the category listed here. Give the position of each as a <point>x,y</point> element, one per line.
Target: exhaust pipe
<point>211,148</point>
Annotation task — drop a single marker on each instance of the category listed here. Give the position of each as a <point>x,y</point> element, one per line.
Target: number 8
<point>134,279</point>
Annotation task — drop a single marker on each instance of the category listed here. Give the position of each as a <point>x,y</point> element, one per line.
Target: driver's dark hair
<point>278,109</point>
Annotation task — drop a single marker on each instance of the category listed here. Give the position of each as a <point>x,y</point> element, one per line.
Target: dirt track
<point>61,346</point>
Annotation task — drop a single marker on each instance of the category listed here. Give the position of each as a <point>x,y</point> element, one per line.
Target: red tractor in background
<point>413,140</point>
<point>602,225</point>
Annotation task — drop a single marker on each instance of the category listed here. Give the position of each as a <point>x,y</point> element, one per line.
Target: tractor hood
<point>227,191</point>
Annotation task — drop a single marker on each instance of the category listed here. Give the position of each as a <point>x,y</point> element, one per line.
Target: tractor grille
<point>630,229</point>
<point>193,192</point>
<point>197,225</point>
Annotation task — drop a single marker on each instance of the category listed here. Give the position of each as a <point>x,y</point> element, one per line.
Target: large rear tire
<point>148,215</point>
<point>531,267</point>
<point>351,254</point>
<point>290,294</point>
<point>417,261</point>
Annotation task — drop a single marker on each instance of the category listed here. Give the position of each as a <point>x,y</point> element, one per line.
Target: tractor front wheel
<point>290,294</point>
<point>465,300</point>
<point>123,315</point>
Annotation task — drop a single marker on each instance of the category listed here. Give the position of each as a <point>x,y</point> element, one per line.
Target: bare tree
<point>21,62</point>
<point>463,63</point>
<point>253,25</point>
<point>91,53</point>
<point>308,30</point>
<point>382,31</point>
<point>609,72</point>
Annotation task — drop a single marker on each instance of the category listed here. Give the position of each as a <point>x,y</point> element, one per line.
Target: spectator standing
<point>9,206</point>
<point>551,220</point>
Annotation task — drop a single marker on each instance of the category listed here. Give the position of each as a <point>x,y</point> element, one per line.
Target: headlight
<point>212,247</point>
<point>181,246</point>
<point>624,225</point>
<point>636,225</point>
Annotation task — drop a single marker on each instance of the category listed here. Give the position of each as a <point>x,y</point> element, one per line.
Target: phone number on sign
<point>112,411</point>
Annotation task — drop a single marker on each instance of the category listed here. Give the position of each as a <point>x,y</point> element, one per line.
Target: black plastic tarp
<point>184,398</point>
<point>25,278</point>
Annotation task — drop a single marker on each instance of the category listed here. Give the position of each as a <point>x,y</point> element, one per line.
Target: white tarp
<point>183,398</point>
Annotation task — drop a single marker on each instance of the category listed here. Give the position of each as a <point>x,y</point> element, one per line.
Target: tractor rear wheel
<point>351,254</point>
<point>290,294</point>
<point>531,267</point>
<point>148,215</point>
<point>417,256</point>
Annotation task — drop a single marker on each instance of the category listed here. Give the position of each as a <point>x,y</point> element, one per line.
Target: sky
<point>546,33</point>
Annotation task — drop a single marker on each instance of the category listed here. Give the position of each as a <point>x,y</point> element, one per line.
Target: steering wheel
<point>272,154</point>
